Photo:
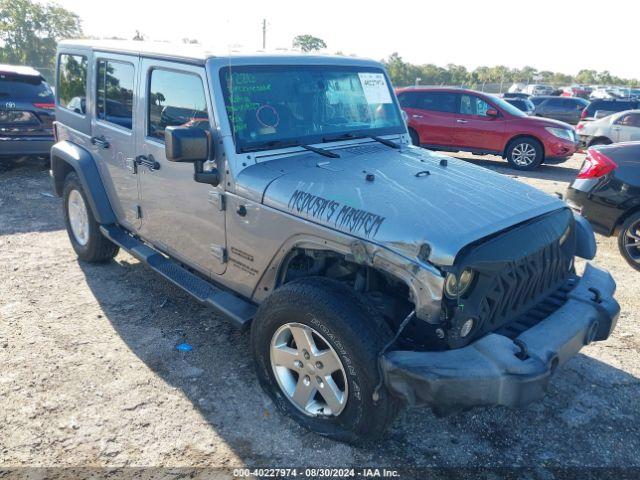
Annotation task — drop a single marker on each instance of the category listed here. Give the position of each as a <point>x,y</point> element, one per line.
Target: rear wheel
<point>629,240</point>
<point>525,153</point>
<point>316,345</point>
<point>83,230</point>
<point>599,141</point>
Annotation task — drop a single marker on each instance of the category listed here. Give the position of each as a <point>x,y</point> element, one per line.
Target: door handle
<point>417,116</point>
<point>148,161</point>
<point>461,121</point>
<point>100,142</point>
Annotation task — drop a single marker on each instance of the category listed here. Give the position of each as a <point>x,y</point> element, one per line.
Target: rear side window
<point>72,82</point>
<point>555,103</point>
<point>114,96</point>
<point>31,88</point>
<point>175,99</point>
<point>437,101</point>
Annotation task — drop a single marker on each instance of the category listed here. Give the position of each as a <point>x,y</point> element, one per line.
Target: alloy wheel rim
<point>523,154</point>
<point>78,217</point>
<point>308,370</point>
<point>632,241</point>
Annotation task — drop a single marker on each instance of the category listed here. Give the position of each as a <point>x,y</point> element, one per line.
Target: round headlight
<point>454,287</point>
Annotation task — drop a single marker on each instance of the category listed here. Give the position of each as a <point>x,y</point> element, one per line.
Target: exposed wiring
<point>376,394</point>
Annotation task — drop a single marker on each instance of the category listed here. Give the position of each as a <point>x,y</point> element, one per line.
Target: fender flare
<point>68,157</point>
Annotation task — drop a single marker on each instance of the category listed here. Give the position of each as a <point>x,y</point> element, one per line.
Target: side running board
<point>238,311</point>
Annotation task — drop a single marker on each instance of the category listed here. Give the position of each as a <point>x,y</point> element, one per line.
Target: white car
<point>618,127</point>
<point>539,89</point>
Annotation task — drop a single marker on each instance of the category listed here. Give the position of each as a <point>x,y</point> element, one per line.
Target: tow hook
<point>523,354</point>
<point>597,296</point>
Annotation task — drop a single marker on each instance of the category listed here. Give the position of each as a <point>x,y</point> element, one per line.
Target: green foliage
<point>403,73</point>
<point>29,31</point>
<point>308,43</point>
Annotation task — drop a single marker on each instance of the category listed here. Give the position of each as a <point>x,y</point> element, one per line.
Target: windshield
<point>507,107</point>
<point>272,106</point>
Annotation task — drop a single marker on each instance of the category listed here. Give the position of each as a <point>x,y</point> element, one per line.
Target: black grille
<point>523,283</point>
<point>539,311</point>
<point>515,272</point>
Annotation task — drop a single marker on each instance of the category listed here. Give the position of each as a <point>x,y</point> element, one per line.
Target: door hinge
<point>138,211</point>
<point>217,199</point>
<point>219,252</point>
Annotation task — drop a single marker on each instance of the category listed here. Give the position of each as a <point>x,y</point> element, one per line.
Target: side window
<point>554,103</point>
<point>72,82</point>
<point>175,99</point>
<point>437,102</point>
<point>114,93</point>
<point>472,105</point>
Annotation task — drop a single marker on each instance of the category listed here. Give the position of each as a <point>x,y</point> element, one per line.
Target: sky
<point>557,35</point>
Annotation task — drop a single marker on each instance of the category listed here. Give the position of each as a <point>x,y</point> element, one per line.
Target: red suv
<point>456,119</point>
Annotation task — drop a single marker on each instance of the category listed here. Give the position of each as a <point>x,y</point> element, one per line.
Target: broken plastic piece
<point>184,347</point>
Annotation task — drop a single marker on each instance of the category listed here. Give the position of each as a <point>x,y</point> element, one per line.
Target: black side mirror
<point>184,144</point>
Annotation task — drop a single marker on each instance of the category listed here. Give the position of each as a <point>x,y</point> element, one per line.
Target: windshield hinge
<point>216,198</point>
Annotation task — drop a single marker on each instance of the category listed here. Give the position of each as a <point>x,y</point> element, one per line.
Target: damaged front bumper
<point>496,370</point>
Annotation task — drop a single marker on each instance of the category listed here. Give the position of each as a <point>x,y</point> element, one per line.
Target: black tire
<point>631,226</point>
<point>415,139</point>
<point>600,141</point>
<point>517,145</point>
<point>355,331</point>
<point>98,248</point>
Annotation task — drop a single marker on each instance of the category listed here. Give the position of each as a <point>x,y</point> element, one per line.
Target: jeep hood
<point>396,199</point>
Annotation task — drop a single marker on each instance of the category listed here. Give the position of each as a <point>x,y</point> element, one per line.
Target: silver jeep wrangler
<point>283,193</point>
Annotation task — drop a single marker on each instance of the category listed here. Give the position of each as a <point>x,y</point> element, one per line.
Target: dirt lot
<point>90,376</point>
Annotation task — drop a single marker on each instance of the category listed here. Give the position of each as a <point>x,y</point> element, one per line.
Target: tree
<point>29,31</point>
<point>308,43</point>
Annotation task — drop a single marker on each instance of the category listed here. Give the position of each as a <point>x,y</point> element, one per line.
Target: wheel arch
<point>423,285</point>
<point>623,218</point>
<point>67,157</point>
<point>521,136</point>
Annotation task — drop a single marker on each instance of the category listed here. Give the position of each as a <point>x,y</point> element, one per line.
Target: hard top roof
<point>193,52</point>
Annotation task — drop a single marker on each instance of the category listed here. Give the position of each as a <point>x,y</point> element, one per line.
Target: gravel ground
<point>90,376</point>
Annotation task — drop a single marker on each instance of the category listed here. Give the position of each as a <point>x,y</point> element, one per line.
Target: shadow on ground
<point>579,422</point>
<point>27,203</point>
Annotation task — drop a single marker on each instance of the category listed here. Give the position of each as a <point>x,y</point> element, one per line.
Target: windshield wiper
<point>286,144</point>
<point>384,141</point>
<point>354,136</point>
<point>321,151</point>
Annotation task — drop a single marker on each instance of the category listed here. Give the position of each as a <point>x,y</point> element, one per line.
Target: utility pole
<point>264,33</point>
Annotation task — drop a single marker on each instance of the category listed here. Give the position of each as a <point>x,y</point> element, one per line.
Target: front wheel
<point>415,139</point>
<point>84,232</point>
<point>629,240</point>
<point>525,154</point>
<point>316,345</point>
